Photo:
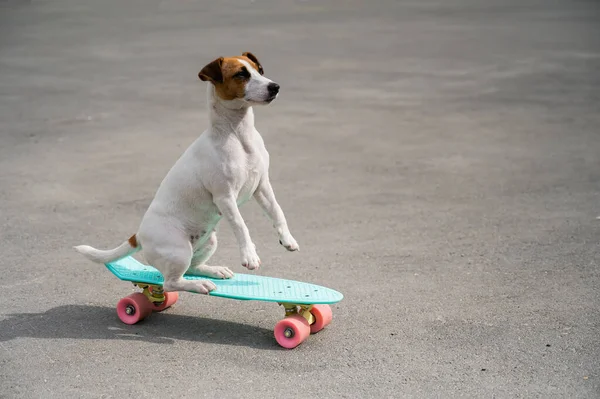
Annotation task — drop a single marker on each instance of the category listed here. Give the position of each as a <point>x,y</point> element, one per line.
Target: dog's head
<point>240,78</point>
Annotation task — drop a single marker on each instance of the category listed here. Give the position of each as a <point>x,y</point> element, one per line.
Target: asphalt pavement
<point>438,163</point>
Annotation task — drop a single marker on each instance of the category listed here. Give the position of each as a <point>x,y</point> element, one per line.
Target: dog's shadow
<point>97,322</point>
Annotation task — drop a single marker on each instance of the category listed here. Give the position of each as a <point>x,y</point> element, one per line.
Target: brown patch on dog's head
<point>212,72</point>
<point>254,62</point>
<point>229,75</point>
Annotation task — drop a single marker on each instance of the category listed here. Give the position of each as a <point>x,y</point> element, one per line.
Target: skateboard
<point>307,309</point>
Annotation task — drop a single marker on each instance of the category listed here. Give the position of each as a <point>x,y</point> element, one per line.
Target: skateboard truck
<point>302,310</point>
<point>154,293</point>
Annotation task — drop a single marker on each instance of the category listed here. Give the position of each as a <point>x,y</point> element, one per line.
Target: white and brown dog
<point>226,166</point>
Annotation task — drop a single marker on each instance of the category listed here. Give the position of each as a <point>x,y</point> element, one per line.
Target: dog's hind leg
<point>202,255</point>
<point>172,259</point>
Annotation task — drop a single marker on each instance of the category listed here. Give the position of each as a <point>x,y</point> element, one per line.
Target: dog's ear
<point>212,72</point>
<point>253,58</point>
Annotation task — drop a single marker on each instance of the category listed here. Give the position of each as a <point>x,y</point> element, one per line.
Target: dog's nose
<point>273,88</point>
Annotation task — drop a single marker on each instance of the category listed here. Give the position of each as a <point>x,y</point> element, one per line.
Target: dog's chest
<point>252,171</point>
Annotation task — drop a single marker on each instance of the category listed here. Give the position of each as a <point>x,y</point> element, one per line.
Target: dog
<point>224,167</point>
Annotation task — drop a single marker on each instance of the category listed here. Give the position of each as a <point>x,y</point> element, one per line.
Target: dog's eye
<point>242,74</point>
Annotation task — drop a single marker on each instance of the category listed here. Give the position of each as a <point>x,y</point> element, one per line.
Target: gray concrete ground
<point>437,161</point>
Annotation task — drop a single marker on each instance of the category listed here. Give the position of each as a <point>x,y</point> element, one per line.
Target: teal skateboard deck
<point>306,305</point>
<point>241,286</point>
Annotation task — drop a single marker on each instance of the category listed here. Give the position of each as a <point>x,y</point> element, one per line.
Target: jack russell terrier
<point>226,166</point>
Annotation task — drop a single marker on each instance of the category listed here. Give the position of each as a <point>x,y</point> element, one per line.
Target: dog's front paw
<point>289,242</point>
<point>250,259</point>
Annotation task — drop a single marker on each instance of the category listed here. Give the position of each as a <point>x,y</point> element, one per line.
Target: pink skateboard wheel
<point>134,308</point>
<point>291,331</point>
<point>323,316</point>
<point>170,299</point>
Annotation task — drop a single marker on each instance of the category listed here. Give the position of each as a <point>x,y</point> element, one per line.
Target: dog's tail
<point>96,255</point>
